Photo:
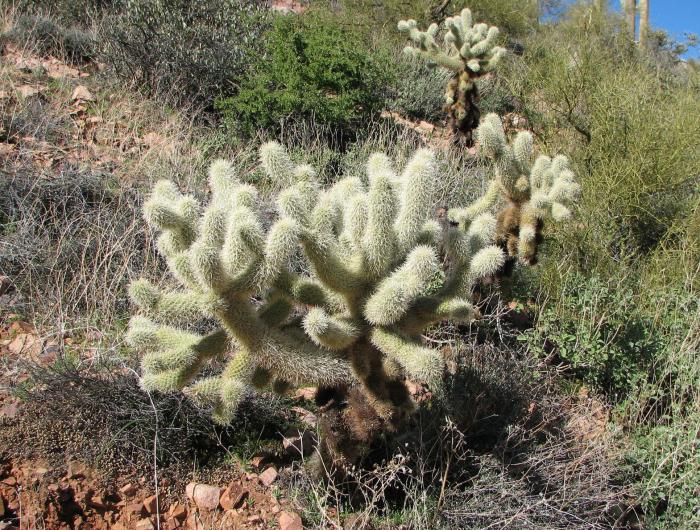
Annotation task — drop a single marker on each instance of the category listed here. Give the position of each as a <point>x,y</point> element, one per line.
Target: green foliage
<point>596,328</point>
<point>193,52</point>
<point>70,12</point>
<point>47,37</point>
<point>417,89</point>
<point>314,67</point>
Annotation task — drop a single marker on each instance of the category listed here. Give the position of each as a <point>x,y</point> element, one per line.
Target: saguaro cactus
<point>470,52</point>
<point>349,320</point>
<point>531,191</point>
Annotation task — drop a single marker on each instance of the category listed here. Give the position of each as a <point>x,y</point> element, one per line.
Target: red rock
<point>233,496</point>
<point>306,416</point>
<point>144,524</point>
<point>268,476</point>
<point>290,521</point>
<point>204,496</point>
<point>308,393</point>
<point>75,470</point>
<point>150,504</point>
<point>9,411</point>
<point>257,461</point>
<point>178,511</point>
<point>135,508</point>
<point>10,481</point>
<point>194,522</point>
<point>127,489</point>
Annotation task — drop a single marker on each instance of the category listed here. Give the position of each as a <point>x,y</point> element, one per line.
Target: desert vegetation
<point>261,267</point>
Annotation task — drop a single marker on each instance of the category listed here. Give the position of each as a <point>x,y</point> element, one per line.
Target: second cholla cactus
<point>470,51</point>
<point>349,320</point>
<point>531,190</point>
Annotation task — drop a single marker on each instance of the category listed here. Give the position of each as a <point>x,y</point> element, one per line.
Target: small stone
<point>204,496</point>
<point>144,524</point>
<point>75,470</point>
<point>127,489</point>
<point>306,393</point>
<point>178,511</point>
<point>81,93</point>
<point>290,521</point>
<point>268,476</point>
<point>255,519</point>
<point>233,496</point>
<point>134,508</point>
<point>257,461</point>
<point>9,411</point>
<point>150,504</point>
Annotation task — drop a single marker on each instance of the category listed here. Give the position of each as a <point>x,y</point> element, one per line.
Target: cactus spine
<point>471,53</point>
<point>375,281</point>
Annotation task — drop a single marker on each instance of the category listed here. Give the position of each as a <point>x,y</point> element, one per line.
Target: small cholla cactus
<point>349,320</point>
<point>530,190</point>
<point>470,52</point>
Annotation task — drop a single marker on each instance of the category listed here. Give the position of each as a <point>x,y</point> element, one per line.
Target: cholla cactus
<point>351,318</point>
<point>470,52</point>
<point>531,191</point>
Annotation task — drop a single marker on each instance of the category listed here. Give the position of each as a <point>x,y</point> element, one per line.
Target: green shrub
<point>47,37</point>
<point>192,51</point>
<point>70,12</point>
<point>595,328</point>
<point>417,89</point>
<point>313,67</point>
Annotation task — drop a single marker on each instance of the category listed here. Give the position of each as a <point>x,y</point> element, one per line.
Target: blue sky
<point>674,16</point>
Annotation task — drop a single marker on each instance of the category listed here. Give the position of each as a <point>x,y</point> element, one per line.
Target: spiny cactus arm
<point>418,361</point>
<point>205,253</point>
<point>277,164</point>
<point>431,309</point>
<point>473,47</point>
<point>430,234</point>
<point>354,223</point>
<point>168,307</point>
<point>427,47</point>
<point>464,216</point>
<point>226,390</point>
<point>291,356</point>
<point>395,294</point>
<point>418,186</point>
<point>331,268</point>
<point>168,210</point>
<point>334,332</point>
<point>175,356</point>
<point>379,241</point>
<point>276,310</point>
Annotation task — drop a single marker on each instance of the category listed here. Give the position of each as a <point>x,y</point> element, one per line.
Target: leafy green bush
<point>47,37</point>
<point>192,51</point>
<point>595,328</point>
<point>313,67</point>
